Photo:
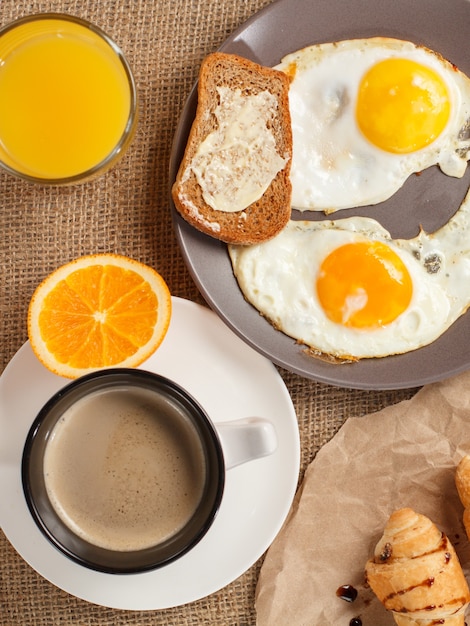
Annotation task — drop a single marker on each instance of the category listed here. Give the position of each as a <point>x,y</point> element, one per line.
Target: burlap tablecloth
<point>127,212</point>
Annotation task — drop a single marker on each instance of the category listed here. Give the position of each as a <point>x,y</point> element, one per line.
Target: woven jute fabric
<point>126,211</point>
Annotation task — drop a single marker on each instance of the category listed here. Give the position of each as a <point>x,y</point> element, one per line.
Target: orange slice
<point>99,311</point>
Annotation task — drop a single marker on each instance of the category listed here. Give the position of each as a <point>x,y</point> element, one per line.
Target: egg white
<point>334,166</point>
<point>278,277</point>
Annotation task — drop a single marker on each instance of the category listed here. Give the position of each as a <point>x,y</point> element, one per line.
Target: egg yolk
<point>402,106</point>
<point>364,285</point>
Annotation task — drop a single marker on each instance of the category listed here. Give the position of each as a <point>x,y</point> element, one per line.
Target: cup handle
<point>246,439</point>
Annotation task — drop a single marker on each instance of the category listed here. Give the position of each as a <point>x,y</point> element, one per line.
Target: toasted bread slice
<point>266,216</point>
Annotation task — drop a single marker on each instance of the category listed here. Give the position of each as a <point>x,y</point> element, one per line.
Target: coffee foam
<point>118,472</point>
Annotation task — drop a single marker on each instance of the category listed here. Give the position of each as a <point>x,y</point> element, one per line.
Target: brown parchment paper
<point>403,455</point>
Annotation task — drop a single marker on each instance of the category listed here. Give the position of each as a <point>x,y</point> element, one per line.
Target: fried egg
<point>368,113</point>
<point>346,288</point>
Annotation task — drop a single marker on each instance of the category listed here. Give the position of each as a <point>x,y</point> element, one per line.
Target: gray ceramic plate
<point>428,200</point>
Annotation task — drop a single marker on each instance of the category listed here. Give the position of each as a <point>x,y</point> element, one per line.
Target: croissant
<point>462,482</point>
<point>416,573</point>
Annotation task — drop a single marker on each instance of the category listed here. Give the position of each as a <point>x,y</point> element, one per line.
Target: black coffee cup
<point>123,470</point>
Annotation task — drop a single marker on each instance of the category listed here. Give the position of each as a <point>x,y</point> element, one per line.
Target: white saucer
<point>230,380</point>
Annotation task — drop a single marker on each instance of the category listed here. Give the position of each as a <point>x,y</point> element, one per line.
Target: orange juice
<point>67,99</point>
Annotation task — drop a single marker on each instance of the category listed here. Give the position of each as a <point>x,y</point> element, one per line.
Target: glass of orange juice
<point>68,102</point>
